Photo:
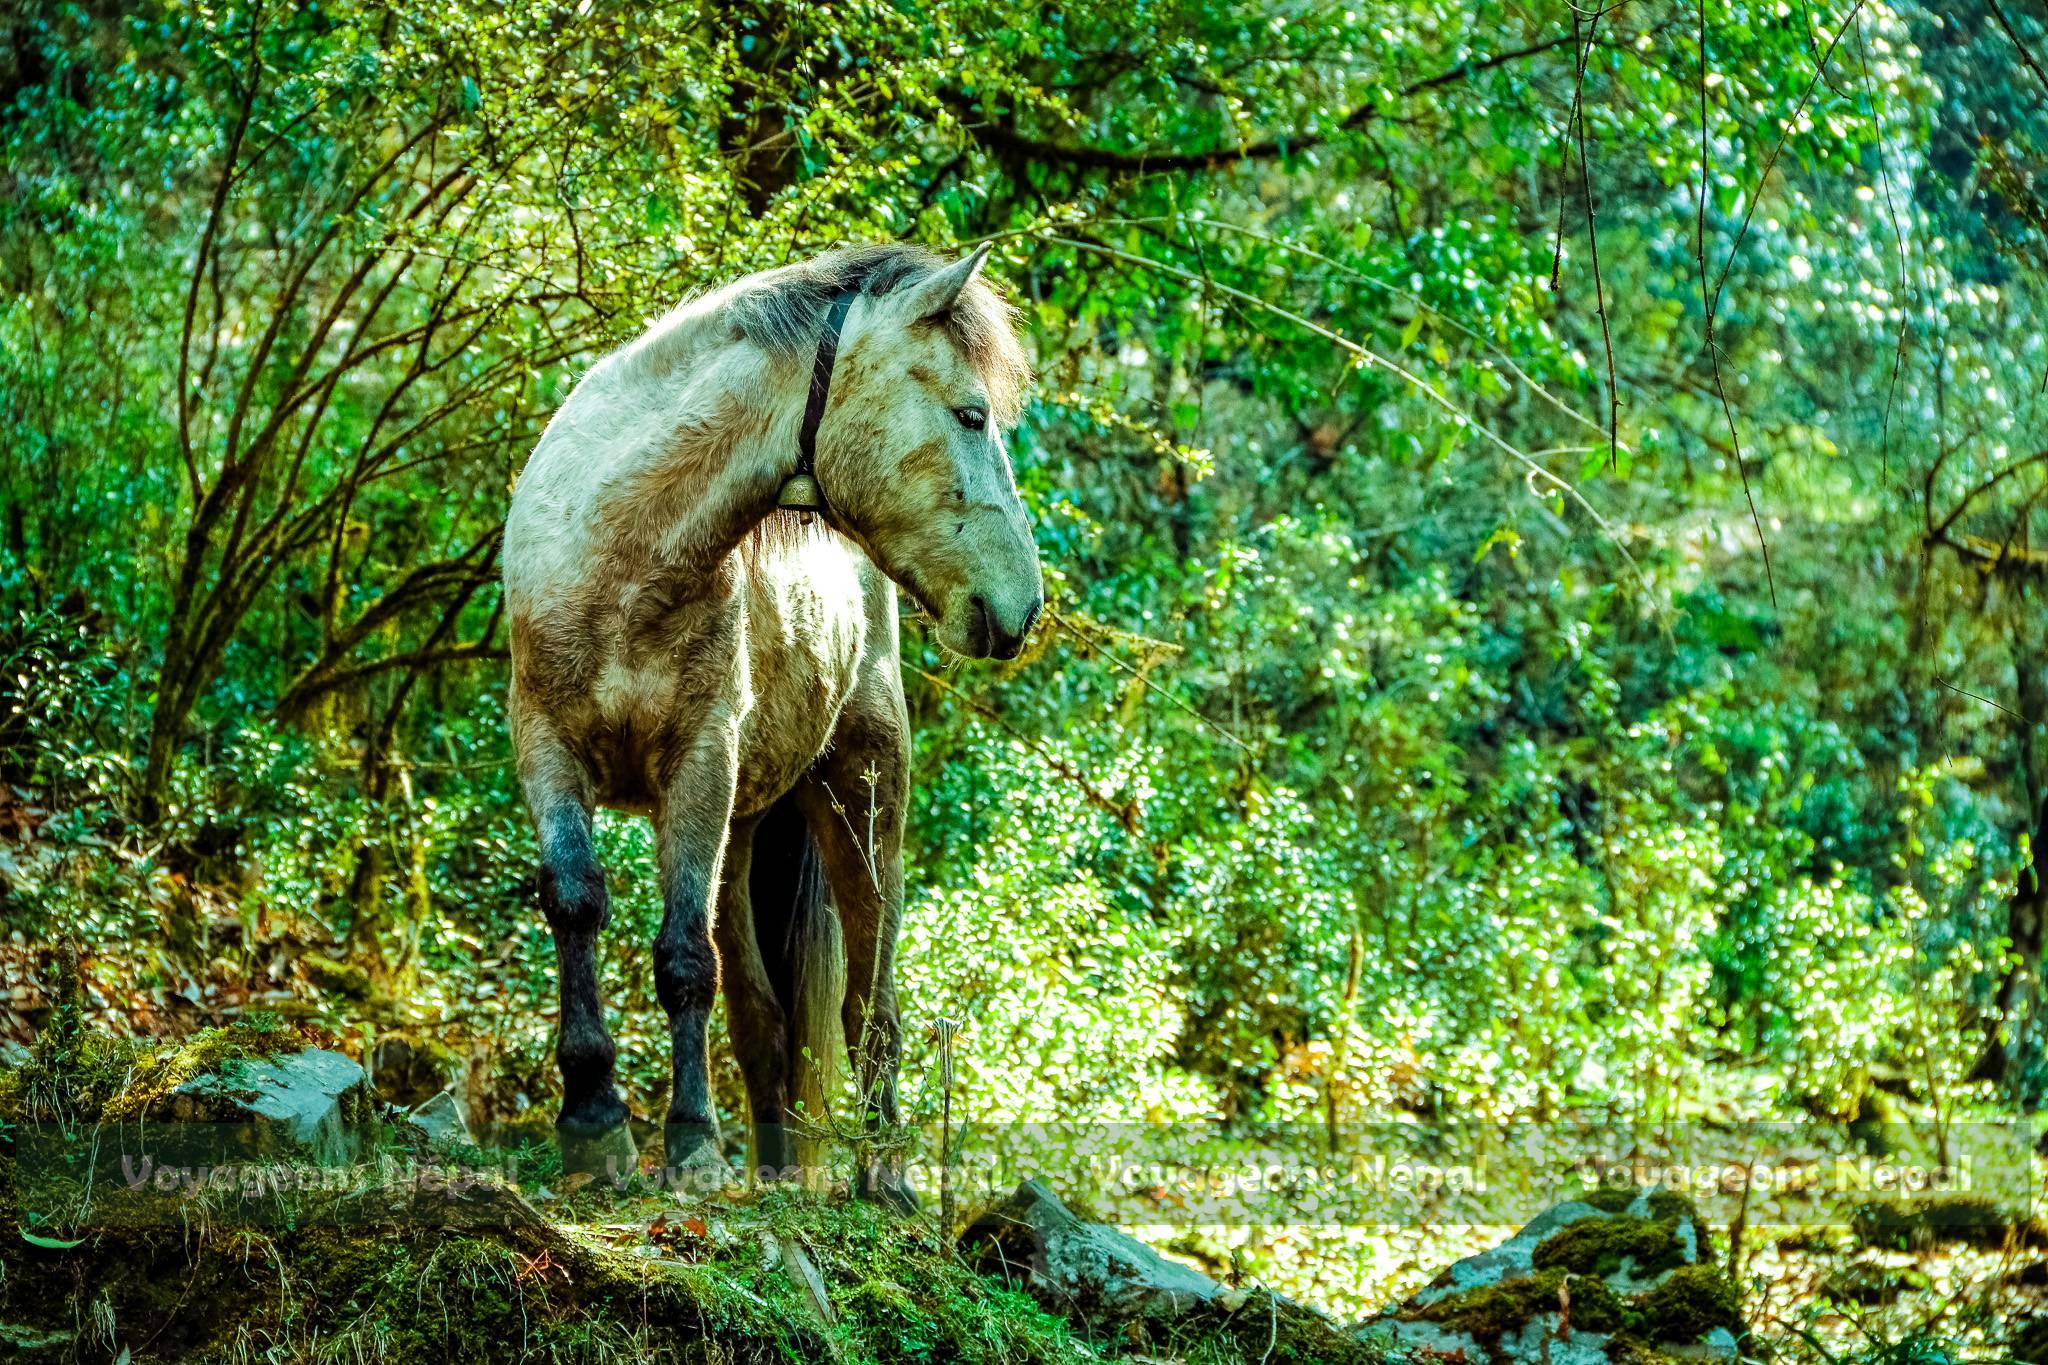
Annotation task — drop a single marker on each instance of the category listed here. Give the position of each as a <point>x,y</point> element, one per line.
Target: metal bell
<point>800,493</point>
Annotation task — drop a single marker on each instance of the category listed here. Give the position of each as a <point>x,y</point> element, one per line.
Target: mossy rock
<point>1642,1237</point>
<point>1690,1302</point>
<point>1643,1206</point>
<point>88,1077</point>
<point>1626,1267</point>
<point>216,1059</point>
<point>1942,1220</point>
<point>1620,1244</point>
<point>1610,1199</point>
<point>1119,1290</point>
<point>1489,1312</point>
<point>1670,1206</point>
<point>177,1111</point>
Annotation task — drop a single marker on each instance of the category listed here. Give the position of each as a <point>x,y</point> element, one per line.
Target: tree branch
<point>1009,140</point>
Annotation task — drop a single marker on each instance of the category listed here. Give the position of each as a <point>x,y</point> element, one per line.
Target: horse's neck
<point>713,435</point>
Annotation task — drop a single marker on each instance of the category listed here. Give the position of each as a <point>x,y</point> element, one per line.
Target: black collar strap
<point>801,491</point>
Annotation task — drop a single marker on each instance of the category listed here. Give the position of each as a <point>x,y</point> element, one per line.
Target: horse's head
<point>911,456</point>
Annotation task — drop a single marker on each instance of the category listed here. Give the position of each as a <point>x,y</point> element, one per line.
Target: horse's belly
<point>774,756</point>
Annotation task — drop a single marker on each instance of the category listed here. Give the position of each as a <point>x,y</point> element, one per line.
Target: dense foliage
<point>1538,511</point>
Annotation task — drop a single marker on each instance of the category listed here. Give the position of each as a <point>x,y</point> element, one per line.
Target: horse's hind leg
<point>778,945</point>
<point>855,802</point>
<point>592,1127</point>
<point>753,1008</point>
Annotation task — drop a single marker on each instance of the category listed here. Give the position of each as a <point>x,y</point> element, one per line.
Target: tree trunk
<point>2019,991</point>
<point>2027,910</point>
<point>753,131</point>
<point>176,695</point>
<point>192,651</point>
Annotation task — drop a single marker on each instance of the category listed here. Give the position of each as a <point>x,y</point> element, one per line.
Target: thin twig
<point>1087,644</point>
<point>1563,148</point>
<point>2026,53</point>
<point>1712,300</point>
<point>1986,700</point>
<point>1884,175</point>
<point>1538,473</point>
<point>1352,272</point>
<point>1126,813</point>
<point>1593,245</point>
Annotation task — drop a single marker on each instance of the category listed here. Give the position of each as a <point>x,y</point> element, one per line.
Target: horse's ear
<point>935,297</point>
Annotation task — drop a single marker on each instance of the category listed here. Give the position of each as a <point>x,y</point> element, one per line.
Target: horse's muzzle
<point>989,637</point>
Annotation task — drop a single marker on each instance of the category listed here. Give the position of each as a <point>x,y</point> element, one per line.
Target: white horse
<point>686,647</point>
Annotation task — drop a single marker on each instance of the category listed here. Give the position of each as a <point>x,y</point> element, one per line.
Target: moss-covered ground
<point>354,1267</point>
<point>446,1266</point>
<point>538,1270</point>
<point>599,1277</point>
<point>374,1274</point>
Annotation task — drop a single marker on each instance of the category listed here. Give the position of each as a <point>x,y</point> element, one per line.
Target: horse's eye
<point>974,419</point>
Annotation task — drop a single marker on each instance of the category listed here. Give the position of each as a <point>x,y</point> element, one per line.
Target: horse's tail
<point>806,959</point>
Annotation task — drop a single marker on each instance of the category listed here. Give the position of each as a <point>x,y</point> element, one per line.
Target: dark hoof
<point>696,1164</point>
<point>609,1153</point>
<point>887,1188</point>
<point>774,1155</point>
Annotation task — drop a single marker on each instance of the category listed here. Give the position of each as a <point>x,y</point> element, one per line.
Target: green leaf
<point>1502,535</point>
<point>53,1243</point>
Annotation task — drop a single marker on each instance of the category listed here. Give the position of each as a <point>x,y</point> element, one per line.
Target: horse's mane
<point>783,311</point>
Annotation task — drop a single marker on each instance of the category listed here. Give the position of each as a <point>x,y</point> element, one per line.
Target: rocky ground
<point>242,1195</point>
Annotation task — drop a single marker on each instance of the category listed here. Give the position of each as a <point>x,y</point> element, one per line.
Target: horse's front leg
<point>695,812</point>
<point>592,1128</point>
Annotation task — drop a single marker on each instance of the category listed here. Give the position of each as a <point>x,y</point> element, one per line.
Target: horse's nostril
<point>983,632</point>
